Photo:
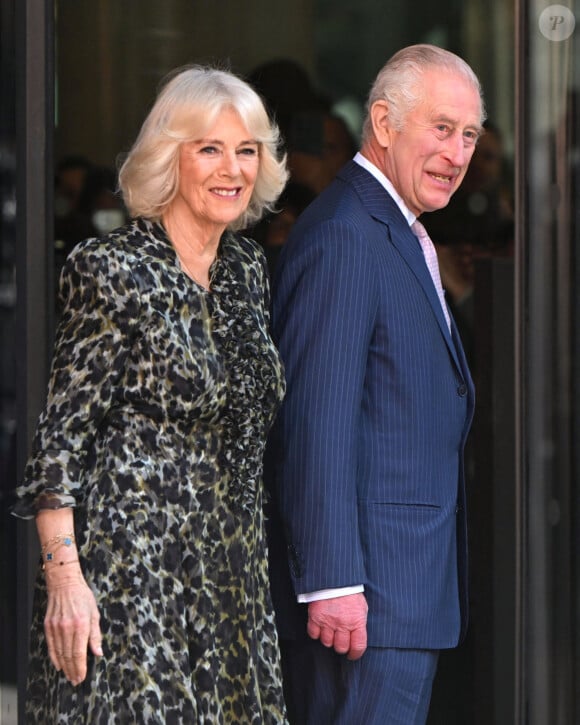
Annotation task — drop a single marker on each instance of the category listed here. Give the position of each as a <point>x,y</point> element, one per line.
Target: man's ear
<point>381,124</point>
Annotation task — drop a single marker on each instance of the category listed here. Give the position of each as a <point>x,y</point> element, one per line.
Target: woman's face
<point>217,173</point>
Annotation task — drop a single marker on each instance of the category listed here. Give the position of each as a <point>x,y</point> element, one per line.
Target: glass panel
<point>550,65</point>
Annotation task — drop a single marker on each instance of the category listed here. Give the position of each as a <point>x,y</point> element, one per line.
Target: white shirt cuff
<point>329,593</point>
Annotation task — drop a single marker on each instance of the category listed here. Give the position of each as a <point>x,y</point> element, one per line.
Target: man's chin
<point>440,203</point>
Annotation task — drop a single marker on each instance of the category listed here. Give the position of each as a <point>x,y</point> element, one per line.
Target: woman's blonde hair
<point>186,108</point>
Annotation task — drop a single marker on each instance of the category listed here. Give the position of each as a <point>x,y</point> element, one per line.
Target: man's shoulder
<point>340,202</point>
<point>356,200</point>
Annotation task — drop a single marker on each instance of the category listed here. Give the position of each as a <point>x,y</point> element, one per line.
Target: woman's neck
<point>196,246</point>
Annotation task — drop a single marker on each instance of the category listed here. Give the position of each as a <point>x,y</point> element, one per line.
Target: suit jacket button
<point>462,390</point>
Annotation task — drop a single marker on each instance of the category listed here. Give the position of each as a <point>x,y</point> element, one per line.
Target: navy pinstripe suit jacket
<point>368,445</point>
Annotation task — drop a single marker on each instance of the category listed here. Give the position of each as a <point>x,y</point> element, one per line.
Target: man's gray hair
<point>399,82</point>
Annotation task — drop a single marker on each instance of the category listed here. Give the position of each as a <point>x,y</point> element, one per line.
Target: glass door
<point>109,58</point>
<point>548,353</point>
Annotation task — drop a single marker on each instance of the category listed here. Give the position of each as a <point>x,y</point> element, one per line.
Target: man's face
<point>427,160</point>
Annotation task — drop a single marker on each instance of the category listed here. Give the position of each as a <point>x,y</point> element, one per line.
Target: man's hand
<point>340,623</point>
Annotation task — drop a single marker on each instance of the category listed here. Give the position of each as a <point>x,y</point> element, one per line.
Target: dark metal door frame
<point>34,33</point>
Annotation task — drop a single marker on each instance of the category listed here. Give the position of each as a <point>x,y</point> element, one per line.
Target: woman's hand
<point>71,624</point>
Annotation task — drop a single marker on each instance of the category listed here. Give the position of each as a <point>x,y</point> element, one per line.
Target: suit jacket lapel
<point>382,207</point>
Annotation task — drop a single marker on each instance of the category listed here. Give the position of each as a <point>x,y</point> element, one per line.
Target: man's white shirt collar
<point>386,184</point>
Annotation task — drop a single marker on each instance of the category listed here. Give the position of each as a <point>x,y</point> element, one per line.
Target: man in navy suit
<point>368,446</point>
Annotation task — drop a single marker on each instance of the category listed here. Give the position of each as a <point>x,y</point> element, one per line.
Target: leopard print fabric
<point>160,399</point>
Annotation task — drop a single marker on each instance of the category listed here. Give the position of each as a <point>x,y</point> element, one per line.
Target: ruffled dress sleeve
<point>94,337</point>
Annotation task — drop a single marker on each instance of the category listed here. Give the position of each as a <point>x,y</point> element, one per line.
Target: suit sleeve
<point>324,309</point>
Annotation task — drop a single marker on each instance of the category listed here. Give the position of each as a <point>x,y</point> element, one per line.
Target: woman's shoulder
<point>137,244</point>
<point>125,240</point>
<point>125,259</point>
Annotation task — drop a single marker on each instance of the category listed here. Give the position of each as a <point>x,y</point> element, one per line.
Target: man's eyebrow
<point>440,118</point>
<point>477,127</point>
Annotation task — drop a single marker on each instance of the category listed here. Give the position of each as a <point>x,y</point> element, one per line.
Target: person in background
<point>366,456</point>
<point>71,173</point>
<point>478,222</point>
<point>319,144</point>
<point>318,140</point>
<point>95,209</point>
<point>100,202</point>
<point>152,601</point>
<point>273,230</point>
<point>71,225</point>
<point>287,90</point>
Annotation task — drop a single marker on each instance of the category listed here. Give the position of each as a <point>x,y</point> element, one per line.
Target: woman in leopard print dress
<point>145,477</point>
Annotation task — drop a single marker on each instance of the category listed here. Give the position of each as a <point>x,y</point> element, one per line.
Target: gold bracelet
<point>55,544</point>
<point>66,539</point>
<point>59,563</point>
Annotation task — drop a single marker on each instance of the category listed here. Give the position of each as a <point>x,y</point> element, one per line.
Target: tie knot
<point>419,230</point>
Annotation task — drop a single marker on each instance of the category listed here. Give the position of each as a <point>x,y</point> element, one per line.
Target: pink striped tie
<point>430,254</point>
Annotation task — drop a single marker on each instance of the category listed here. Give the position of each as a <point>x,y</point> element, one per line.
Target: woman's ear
<point>380,121</point>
